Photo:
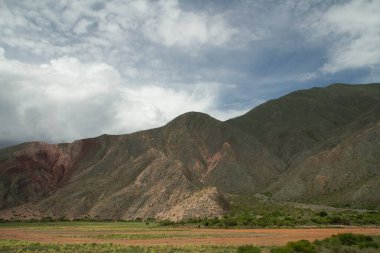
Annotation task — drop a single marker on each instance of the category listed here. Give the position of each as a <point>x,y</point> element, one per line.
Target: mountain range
<point>320,146</point>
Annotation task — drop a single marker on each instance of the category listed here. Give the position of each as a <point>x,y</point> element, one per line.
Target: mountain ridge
<point>294,147</point>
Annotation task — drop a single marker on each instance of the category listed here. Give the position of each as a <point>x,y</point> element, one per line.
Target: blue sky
<point>77,69</point>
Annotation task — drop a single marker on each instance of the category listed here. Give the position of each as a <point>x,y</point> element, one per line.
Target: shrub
<point>363,241</point>
<point>347,239</point>
<point>354,242</point>
<point>229,223</point>
<point>248,249</point>
<point>303,246</point>
<point>166,223</point>
<point>280,250</point>
<point>339,220</point>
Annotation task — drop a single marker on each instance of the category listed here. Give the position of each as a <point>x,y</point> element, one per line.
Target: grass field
<point>88,236</point>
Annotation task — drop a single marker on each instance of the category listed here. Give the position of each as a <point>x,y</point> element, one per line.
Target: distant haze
<point>70,69</point>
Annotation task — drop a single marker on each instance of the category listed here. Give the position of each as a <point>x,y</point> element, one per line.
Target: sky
<point>77,69</point>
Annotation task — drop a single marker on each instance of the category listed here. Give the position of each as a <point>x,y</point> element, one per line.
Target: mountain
<point>304,119</point>
<point>329,140</point>
<point>320,145</point>
<point>173,172</point>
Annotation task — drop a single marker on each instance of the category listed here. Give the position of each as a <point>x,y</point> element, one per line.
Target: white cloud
<point>151,106</point>
<point>66,99</point>
<point>171,26</point>
<point>43,29</point>
<point>81,26</point>
<point>355,29</point>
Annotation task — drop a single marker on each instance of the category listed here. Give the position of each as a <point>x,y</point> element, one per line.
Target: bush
<point>337,243</point>
<point>337,220</point>
<point>322,214</point>
<point>348,241</point>
<point>166,223</point>
<point>229,223</point>
<point>280,250</point>
<point>303,246</point>
<point>248,249</point>
<point>363,241</point>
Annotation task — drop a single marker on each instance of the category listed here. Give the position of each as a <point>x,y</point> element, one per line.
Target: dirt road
<point>262,237</point>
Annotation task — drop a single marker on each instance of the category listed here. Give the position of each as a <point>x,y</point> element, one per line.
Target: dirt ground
<point>178,236</point>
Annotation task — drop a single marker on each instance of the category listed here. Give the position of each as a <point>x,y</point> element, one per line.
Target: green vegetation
<point>344,241</point>
<point>303,246</point>
<point>246,211</point>
<point>352,243</point>
<point>252,212</point>
<point>248,249</point>
<point>9,246</point>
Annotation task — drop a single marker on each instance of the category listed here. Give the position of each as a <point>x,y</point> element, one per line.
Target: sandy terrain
<point>183,236</point>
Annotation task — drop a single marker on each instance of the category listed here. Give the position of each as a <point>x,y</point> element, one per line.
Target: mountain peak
<point>193,115</point>
<point>192,119</point>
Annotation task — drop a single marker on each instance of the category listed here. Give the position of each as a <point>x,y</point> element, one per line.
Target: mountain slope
<point>329,140</point>
<point>29,172</point>
<point>301,120</point>
<point>317,146</point>
<point>345,175</point>
<point>156,172</point>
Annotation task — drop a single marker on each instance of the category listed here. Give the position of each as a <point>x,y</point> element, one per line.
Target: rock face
<point>32,171</point>
<point>317,145</point>
<point>208,199</point>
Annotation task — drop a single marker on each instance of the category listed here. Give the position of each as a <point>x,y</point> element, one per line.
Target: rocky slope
<point>319,145</point>
<point>161,173</point>
<point>32,171</point>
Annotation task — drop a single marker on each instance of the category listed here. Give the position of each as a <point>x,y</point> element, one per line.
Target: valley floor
<point>139,233</point>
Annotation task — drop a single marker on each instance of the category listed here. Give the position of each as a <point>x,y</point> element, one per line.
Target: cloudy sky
<point>77,69</point>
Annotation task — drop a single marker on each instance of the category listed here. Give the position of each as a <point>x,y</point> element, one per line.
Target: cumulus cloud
<point>74,69</point>
<point>354,27</point>
<point>66,99</point>
<point>173,27</point>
